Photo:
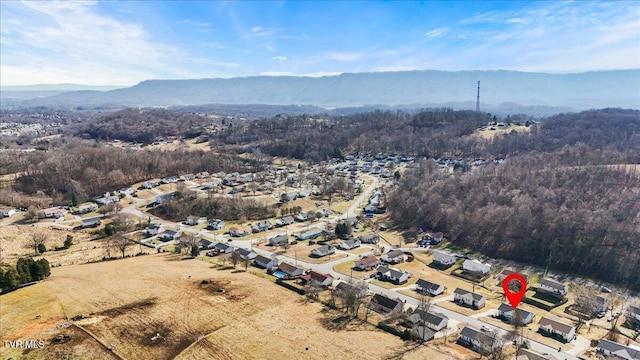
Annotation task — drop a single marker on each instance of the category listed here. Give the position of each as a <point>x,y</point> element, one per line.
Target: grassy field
<point>157,307</point>
<point>486,133</point>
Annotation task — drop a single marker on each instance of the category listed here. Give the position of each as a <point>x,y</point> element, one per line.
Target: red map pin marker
<point>514,298</point>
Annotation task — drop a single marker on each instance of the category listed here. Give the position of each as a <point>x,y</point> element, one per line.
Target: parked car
<point>605,289</point>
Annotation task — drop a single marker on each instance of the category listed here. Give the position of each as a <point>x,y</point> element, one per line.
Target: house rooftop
<point>555,325</point>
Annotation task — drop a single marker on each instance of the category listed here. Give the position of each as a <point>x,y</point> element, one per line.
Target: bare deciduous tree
<point>36,240</point>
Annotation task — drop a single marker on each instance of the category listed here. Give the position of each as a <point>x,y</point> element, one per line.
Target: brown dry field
<point>129,301</point>
<point>14,240</point>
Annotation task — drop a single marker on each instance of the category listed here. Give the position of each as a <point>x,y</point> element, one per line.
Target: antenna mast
<point>478,98</point>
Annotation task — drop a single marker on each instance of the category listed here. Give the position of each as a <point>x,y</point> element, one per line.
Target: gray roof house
<point>468,298</point>
<point>349,244</point>
<point>215,224</point>
<point>507,313</point>
<point>443,259</point>
<point>434,321</point>
<point>427,287</point>
<point>564,331</point>
<point>246,254</point>
<point>205,244</point>
<point>553,287</point>
<point>91,222</point>
<point>369,239</point>
<point>323,250</point>
<point>279,240</point>
<point>308,235</point>
<point>169,235</point>
<point>264,262</point>
<point>346,287</point>
<point>259,226</point>
<point>382,304</point>
<point>618,351</point>
<point>284,221</point>
<point>393,257</point>
<point>478,340</point>
<point>632,316</point>
<point>528,354</point>
<point>392,275</point>
<point>223,248</point>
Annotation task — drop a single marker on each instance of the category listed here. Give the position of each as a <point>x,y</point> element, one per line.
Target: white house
<point>553,327</point>
<point>6,212</point>
<point>393,257</point>
<point>264,262</point>
<point>246,254</point>
<point>443,259</point>
<point>323,250</point>
<point>169,235</point>
<point>507,313</point>
<point>392,275</point>
<point>619,351</point>
<point>476,267</point>
<point>633,315</point>
<point>349,244</point>
<point>553,287</point>
<point>435,321</point>
<point>468,298</point>
<point>367,263</point>
<point>479,340</point>
<point>427,287</point>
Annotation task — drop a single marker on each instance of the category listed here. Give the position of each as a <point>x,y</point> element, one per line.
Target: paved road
<point>580,345</point>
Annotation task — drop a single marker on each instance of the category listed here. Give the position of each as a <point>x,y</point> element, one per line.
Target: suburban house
<point>367,263</point>
<point>317,279</point>
<point>153,229</point>
<point>289,196</point>
<point>264,262</point>
<point>369,239</point>
<point>308,235</point>
<point>291,270</point>
<point>475,267</point>
<point>508,314</point>
<point>591,304</point>
<point>279,240</point>
<point>149,184</point>
<point>557,329</point>
<point>195,220</point>
<point>323,250</point>
<point>633,315</point>
<point>238,232</point>
<point>435,321</point>
<point>169,180</point>
<point>246,254</point>
<point>345,287</point>
<point>382,304</point>
<point>422,332</point>
<point>349,244</point>
<point>107,200</point>
<point>87,207</point>
<point>483,342</point>
<point>427,287</point>
<point>393,257</point>
<point>553,287</point>
<point>91,222</point>
<point>617,351</point>
<point>127,191</point>
<point>215,224</point>
<point>392,275</point>
<point>508,271</point>
<point>53,213</point>
<point>260,226</point>
<point>302,217</point>
<point>443,259</point>
<point>436,238</point>
<point>284,221</point>
<point>468,298</point>
<point>169,235</point>
<point>205,244</point>
<point>187,177</point>
<point>223,248</point>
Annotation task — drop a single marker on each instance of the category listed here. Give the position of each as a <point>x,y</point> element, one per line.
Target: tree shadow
<point>402,350</point>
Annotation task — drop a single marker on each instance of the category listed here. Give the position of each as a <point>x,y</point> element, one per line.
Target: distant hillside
<point>569,91</point>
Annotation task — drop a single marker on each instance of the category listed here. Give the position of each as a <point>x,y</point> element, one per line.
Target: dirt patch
<point>121,310</point>
<point>223,288</point>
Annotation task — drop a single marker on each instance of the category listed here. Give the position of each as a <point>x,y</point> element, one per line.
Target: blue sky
<point>123,43</point>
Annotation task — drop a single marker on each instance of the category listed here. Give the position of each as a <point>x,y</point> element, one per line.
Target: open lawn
<point>163,307</point>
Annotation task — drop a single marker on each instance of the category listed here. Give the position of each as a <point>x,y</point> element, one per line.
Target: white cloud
<point>436,33</point>
<point>280,58</point>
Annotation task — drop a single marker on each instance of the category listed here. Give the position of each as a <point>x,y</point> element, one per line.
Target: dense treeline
<point>427,133</point>
<point>27,270</point>
<point>579,219</point>
<point>236,208</point>
<point>614,129</point>
<point>83,171</point>
<point>143,126</point>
